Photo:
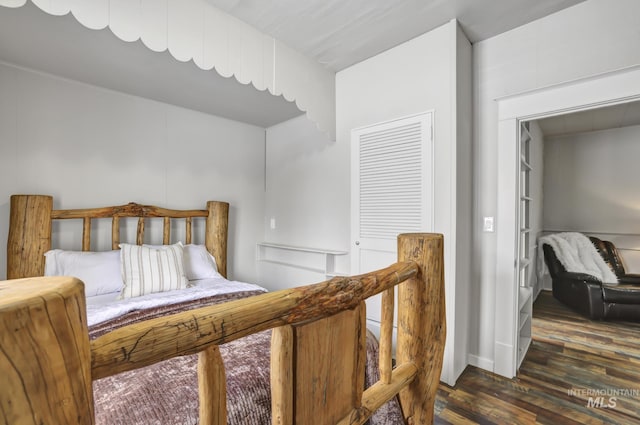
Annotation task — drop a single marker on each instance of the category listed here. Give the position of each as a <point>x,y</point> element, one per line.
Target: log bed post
<point>212,391</point>
<point>29,235</point>
<point>45,360</point>
<point>421,323</point>
<point>216,234</point>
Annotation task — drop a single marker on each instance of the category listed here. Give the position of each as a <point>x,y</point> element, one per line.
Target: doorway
<point>588,94</point>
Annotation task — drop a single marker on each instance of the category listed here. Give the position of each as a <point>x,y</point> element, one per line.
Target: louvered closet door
<point>391,189</point>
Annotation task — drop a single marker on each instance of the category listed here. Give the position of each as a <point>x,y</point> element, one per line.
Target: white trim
<point>568,83</point>
<point>606,89</point>
<point>610,88</point>
<point>402,118</point>
<point>480,362</point>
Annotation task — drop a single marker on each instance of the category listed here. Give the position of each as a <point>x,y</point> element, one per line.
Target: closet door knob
<point>357,242</point>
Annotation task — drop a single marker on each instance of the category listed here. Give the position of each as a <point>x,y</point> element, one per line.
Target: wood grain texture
<point>361,360</point>
<point>159,339</point>
<point>568,352</point>
<point>31,220</point>
<point>131,209</point>
<point>44,352</point>
<point>282,375</point>
<point>187,230</point>
<point>140,231</point>
<point>86,234</point>
<point>212,387</point>
<point>29,235</point>
<point>386,334</point>
<point>421,324</point>
<point>217,232</point>
<point>326,355</point>
<point>380,393</point>
<point>166,231</point>
<point>115,232</point>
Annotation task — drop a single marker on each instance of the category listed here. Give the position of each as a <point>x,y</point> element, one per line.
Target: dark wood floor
<point>568,352</point>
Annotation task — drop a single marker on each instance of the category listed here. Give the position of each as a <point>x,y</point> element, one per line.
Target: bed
<point>55,365</point>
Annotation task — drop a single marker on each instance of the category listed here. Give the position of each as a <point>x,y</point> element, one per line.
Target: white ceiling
<point>616,116</point>
<point>335,32</point>
<point>339,33</point>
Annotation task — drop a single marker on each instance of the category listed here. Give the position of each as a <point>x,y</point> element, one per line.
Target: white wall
<point>307,195</point>
<point>414,77</point>
<point>591,186</point>
<point>304,178</point>
<point>464,196</point>
<point>591,182</point>
<point>88,147</point>
<point>590,38</point>
<point>308,177</point>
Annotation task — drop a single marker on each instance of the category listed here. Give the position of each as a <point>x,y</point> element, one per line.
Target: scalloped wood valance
<point>195,30</point>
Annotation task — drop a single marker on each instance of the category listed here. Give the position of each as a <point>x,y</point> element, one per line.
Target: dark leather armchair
<point>589,296</point>
<point>609,253</point>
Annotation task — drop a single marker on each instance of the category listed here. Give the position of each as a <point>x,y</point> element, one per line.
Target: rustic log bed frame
<point>318,345</point>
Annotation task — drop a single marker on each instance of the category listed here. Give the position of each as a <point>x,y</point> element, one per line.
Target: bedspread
<point>166,393</point>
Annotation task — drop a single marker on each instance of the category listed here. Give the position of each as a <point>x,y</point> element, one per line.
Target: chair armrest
<point>586,278</point>
<point>630,279</point>
<point>582,292</point>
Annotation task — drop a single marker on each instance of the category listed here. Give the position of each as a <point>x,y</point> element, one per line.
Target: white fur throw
<point>577,254</point>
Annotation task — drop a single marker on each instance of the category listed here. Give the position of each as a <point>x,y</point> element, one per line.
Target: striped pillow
<point>147,270</point>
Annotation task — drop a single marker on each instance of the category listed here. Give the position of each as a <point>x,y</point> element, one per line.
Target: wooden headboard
<point>31,218</point>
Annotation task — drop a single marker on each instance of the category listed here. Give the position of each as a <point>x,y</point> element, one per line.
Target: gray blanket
<point>166,393</point>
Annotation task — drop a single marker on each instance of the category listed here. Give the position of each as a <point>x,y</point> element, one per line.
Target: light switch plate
<point>488,224</point>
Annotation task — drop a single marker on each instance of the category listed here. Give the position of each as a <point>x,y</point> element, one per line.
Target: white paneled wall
<point>91,147</point>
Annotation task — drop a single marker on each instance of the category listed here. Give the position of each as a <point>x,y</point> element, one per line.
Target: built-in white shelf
<point>317,260</point>
<point>301,248</point>
<point>523,346</point>
<point>525,296</point>
<point>525,252</point>
<point>523,320</point>
<point>525,315</point>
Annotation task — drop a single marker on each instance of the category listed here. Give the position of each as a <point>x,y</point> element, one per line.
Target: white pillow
<point>198,263</point>
<point>146,270</point>
<point>100,271</point>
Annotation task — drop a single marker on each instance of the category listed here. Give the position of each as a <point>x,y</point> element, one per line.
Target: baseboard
<point>480,362</point>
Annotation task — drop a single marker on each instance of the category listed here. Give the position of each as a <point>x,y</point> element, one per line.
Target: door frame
<point>616,87</point>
